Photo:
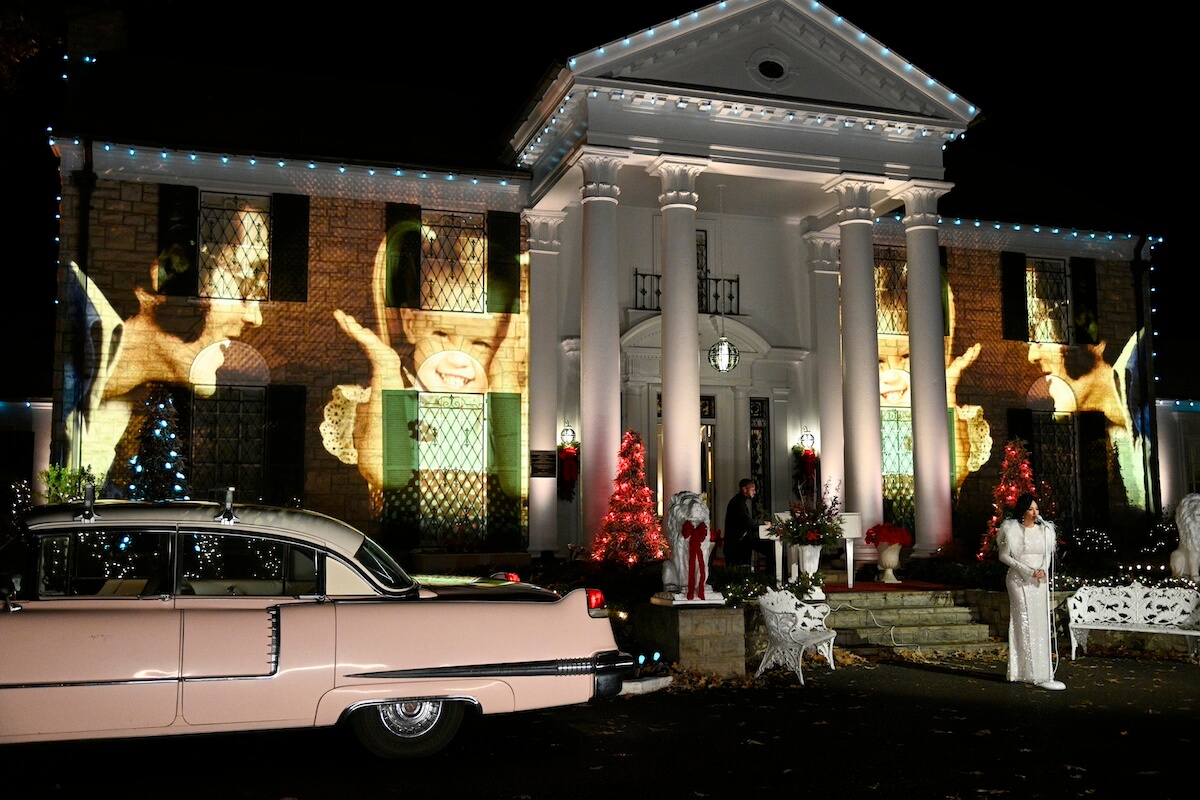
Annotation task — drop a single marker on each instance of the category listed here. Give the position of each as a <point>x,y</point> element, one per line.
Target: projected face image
<point>894,378</point>
<point>1080,379</point>
<point>454,352</point>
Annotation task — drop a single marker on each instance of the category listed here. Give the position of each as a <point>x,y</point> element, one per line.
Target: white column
<point>824,283</point>
<point>860,350</point>
<point>600,337</point>
<point>544,421</point>
<point>680,332</point>
<point>927,368</point>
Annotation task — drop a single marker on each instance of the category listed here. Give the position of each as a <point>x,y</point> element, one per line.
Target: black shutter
<point>1094,460</point>
<point>178,240</point>
<point>504,263</point>
<point>1014,308</point>
<point>1084,314</point>
<point>403,256</point>
<point>1020,426</point>
<point>283,456</point>
<point>289,247</point>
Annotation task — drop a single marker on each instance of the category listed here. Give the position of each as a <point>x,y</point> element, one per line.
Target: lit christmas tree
<point>1016,479</point>
<point>631,531</point>
<point>158,471</point>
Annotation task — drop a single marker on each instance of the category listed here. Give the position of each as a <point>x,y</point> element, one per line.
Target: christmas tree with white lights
<point>631,531</point>
<point>159,470</point>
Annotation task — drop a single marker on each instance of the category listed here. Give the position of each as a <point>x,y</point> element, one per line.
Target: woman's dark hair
<point>1022,505</point>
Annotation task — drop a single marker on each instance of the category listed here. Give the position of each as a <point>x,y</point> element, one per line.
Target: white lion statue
<point>685,573</point>
<point>1185,562</point>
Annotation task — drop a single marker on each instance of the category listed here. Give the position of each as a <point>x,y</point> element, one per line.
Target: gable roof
<point>795,60</point>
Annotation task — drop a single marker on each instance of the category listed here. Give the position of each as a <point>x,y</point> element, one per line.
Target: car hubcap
<point>410,718</point>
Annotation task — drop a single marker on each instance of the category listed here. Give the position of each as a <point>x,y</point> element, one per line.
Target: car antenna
<point>227,517</point>
<point>89,505</point>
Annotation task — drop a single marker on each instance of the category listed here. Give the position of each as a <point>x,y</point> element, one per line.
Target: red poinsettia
<point>887,533</point>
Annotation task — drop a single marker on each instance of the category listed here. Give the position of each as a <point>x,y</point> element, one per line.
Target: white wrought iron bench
<point>793,628</point>
<point>1135,608</point>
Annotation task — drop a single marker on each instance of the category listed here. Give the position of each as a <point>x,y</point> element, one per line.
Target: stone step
<point>938,621</point>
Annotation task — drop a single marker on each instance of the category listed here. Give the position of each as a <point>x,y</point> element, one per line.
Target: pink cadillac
<point>138,619</point>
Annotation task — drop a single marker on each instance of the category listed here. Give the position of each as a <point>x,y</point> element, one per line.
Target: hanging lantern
<point>723,356</point>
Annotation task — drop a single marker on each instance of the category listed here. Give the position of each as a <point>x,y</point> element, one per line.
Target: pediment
<point>791,52</point>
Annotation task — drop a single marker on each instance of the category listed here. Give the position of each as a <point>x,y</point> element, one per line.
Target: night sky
<point>1076,127</point>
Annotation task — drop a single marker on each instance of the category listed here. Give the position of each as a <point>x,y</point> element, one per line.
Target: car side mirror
<point>10,585</point>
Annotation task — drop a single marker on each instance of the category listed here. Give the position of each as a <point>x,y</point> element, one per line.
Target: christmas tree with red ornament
<point>1016,479</point>
<point>631,531</point>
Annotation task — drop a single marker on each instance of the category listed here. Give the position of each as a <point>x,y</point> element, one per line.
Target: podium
<point>851,531</point>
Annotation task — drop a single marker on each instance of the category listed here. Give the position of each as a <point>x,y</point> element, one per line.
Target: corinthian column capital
<point>920,202</point>
<point>822,252</point>
<point>543,230</point>
<point>854,196</point>
<point>678,176</point>
<point>600,166</point>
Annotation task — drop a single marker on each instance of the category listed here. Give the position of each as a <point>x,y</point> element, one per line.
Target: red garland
<point>696,535</point>
<point>568,471</point>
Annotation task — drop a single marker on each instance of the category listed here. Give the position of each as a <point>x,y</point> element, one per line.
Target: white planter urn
<point>888,559</point>
<point>810,562</point>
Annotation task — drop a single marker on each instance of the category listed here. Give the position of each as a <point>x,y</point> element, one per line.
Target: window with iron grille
<point>891,290</point>
<point>1046,298</point>
<point>235,246</point>
<point>453,261</point>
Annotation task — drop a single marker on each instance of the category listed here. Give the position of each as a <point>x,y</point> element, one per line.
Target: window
<point>220,564</point>
<point>1048,301</point>
<point>232,246</point>
<point>117,563</point>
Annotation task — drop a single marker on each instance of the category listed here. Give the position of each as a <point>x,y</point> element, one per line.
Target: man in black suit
<point>741,528</point>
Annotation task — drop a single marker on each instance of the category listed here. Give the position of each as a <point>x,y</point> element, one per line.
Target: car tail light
<point>595,599</point>
<point>507,576</point>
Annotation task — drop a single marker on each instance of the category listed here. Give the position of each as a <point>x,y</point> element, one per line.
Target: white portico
<point>782,132</point>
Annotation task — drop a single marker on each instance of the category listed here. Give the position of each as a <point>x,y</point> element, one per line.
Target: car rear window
<point>383,567</point>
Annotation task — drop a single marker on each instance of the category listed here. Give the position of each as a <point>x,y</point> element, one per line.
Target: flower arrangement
<point>887,533</point>
<point>813,521</point>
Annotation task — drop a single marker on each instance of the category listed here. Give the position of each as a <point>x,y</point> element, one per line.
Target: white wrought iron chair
<point>793,627</point>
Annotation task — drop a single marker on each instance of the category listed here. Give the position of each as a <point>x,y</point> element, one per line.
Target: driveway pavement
<point>951,728</point>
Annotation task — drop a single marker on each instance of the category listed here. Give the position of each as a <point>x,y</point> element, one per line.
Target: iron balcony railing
<point>714,295</point>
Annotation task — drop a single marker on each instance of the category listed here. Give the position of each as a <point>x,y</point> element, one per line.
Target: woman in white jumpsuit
<point>1026,545</point>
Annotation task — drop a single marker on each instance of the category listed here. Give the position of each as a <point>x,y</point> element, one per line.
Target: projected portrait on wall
<point>972,440</point>
<point>172,326</point>
<point>437,433</point>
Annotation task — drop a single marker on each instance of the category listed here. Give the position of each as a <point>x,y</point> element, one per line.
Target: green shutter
<point>289,247</point>
<point>178,240</point>
<point>505,503</point>
<point>403,256</point>
<point>399,441</point>
<point>1014,308</point>
<point>504,263</point>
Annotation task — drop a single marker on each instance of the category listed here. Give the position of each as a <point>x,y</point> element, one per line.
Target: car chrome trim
<point>85,684</point>
<point>602,663</point>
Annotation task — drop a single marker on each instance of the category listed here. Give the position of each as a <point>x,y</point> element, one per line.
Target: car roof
<point>296,523</point>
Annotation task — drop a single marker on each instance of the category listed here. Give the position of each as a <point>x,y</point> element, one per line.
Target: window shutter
<point>178,240</point>
<point>289,247</point>
<point>399,442</point>
<point>403,257</point>
<point>1084,314</point>
<point>944,261</point>
<point>1020,425</point>
<point>1014,307</point>
<point>283,457</point>
<point>504,472</point>
<point>1094,458</point>
<point>504,263</point>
